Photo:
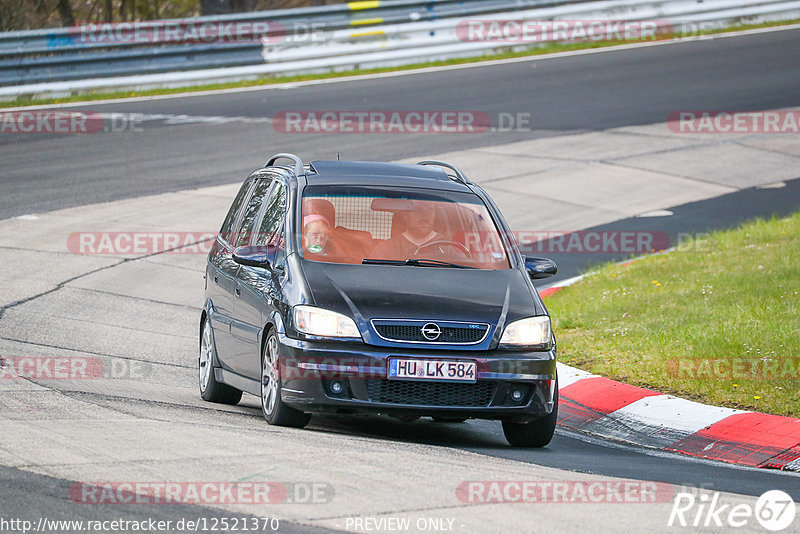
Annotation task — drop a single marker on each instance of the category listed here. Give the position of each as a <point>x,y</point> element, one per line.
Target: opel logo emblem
<point>431,331</point>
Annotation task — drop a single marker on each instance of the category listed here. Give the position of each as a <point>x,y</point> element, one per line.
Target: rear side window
<point>251,211</point>
<point>233,212</point>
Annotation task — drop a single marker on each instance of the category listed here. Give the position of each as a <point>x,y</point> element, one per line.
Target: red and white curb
<point>604,407</point>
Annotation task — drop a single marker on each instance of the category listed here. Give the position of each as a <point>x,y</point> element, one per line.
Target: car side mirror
<point>539,268</point>
<point>253,256</point>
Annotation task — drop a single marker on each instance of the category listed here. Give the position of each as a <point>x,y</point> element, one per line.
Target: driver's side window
<point>251,211</point>
<point>271,228</point>
<point>226,232</point>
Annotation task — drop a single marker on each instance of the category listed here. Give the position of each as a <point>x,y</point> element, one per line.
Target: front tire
<point>536,433</point>
<point>275,411</point>
<point>210,389</point>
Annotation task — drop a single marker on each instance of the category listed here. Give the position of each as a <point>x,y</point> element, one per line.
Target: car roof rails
<point>458,177</point>
<point>298,163</point>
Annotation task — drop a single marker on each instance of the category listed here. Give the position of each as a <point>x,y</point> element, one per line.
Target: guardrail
<point>361,34</point>
<point>335,14</point>
<point>113,50</point>
<point>440,39</point>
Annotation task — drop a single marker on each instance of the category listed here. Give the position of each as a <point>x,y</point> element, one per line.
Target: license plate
<point>440,370</point>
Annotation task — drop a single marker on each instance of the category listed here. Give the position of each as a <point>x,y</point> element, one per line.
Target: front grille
<point>398,332</point>
<point>430,393</point>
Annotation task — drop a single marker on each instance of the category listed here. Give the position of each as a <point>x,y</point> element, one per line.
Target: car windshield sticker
<point>315,248</point>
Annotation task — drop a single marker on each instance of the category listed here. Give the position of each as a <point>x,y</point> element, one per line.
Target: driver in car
<point>419,233</point>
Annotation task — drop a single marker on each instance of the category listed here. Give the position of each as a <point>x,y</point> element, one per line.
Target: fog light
<point>517,394</point>
<point>337,387</point>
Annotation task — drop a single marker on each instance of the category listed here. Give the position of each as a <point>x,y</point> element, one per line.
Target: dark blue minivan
<point>346,287</point>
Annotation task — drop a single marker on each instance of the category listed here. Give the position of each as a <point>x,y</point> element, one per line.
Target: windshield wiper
<point>416,262</point>
<point>373,261</point>
<point>425,262</point>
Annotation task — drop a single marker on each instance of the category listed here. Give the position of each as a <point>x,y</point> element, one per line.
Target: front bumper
<point>310,369</point>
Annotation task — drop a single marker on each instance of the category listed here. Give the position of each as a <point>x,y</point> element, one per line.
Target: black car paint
<point>243,302</point>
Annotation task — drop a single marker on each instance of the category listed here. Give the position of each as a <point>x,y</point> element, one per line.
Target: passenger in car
<point>319,206</point>
<point>317,235</point>
<point>349,246</point>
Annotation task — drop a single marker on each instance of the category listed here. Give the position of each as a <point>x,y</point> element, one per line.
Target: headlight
<point>324,323</point>
<point>533,332</point>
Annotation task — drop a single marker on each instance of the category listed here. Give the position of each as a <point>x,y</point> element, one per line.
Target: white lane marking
<point>775,185</point>
<point>28,217</point>
<point>184,119</point>
<point>409,72</point>
<point>671,412</point>
<point>656,213</point>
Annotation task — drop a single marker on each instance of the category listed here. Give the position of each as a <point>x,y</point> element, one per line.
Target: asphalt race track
<point>573,94</point>
<point>376,465</point>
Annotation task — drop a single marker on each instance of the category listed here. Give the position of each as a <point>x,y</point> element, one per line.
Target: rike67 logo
<point>774,510</point>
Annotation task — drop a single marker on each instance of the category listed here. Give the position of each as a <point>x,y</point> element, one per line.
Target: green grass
<point>733,297</point>
<point>548,48</point>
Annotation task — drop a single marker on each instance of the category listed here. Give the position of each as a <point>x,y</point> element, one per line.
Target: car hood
<point>367,292</point>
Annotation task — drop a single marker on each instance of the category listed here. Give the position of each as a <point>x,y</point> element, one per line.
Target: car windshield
<point>357,224</point>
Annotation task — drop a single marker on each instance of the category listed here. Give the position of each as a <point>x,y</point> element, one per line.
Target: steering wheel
<point>444,242</point>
